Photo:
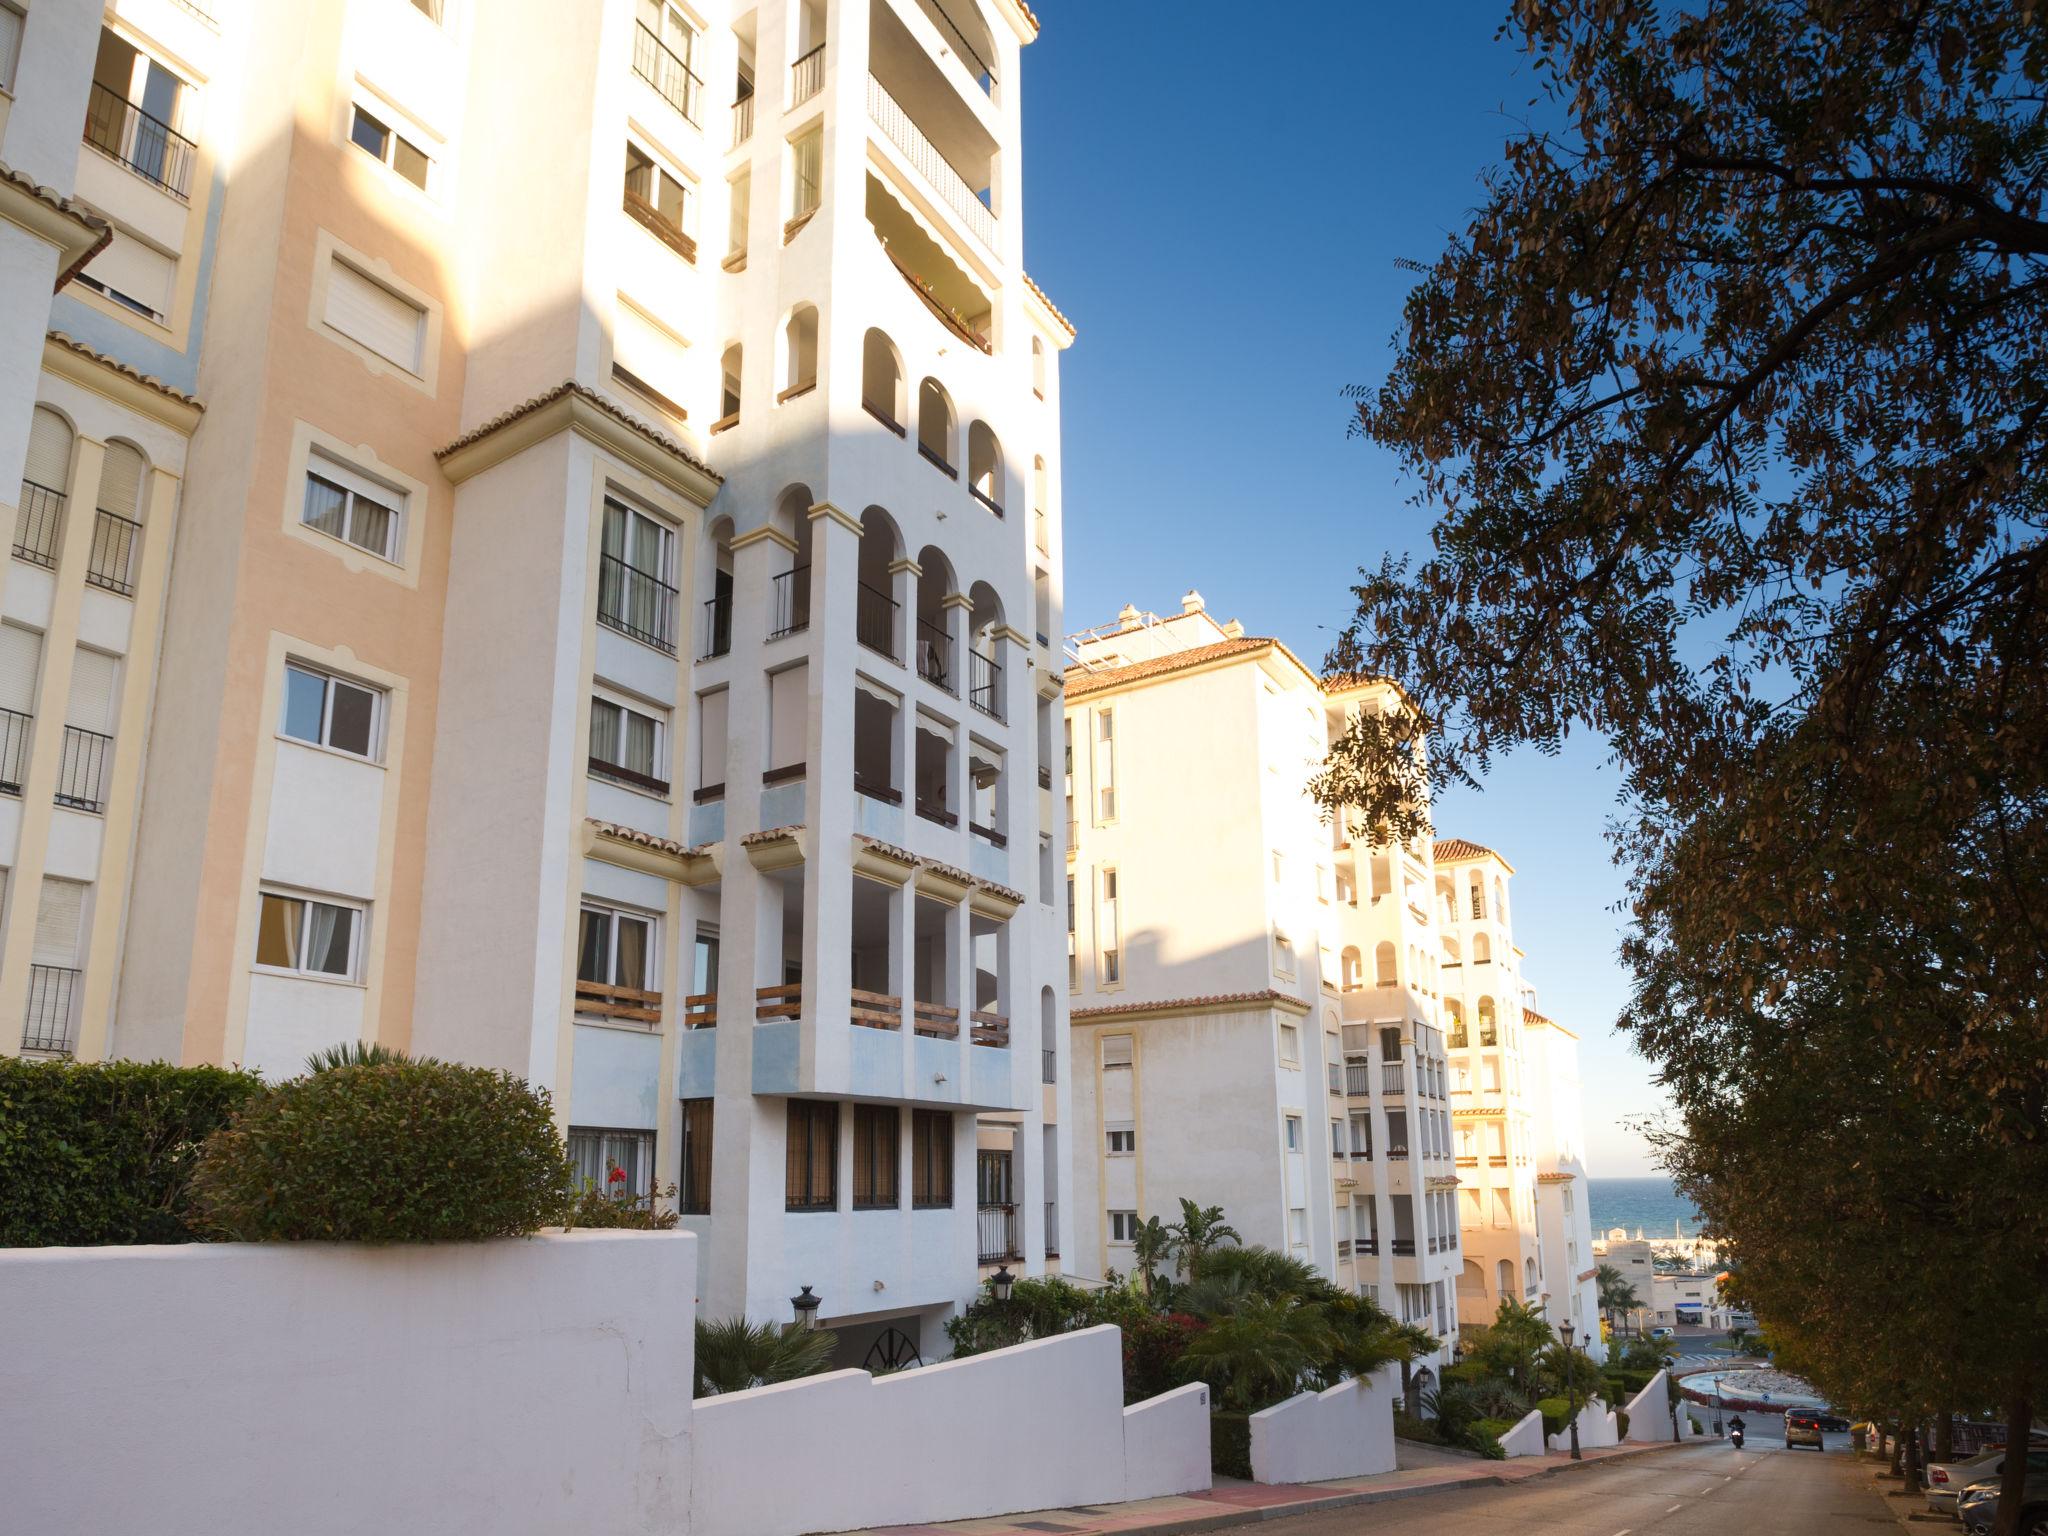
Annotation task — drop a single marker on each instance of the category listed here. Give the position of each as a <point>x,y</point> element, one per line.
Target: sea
<point>1649,1203</point>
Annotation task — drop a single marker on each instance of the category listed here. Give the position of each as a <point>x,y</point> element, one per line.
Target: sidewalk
<point>1232,1502</point>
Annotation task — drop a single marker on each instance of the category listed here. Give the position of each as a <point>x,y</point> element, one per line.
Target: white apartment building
<point>1563,1200</point>
<point>608,633</point>
<point>1230,1045</point>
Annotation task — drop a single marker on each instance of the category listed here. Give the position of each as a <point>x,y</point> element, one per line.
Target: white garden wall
<point>478,1389</point>
<point>1526,1438</point>
<point>1649,1412</point>
<point>1345,1431</point>
<point>1598,1428</point>
<point>1032,1427</point>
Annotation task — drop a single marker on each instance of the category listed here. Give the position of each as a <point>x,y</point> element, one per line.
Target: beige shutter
<point>92,692</point>
<point>21,660</point>
<point>138,272</point>
<point>368,312</point>
<point>49,451</point>
<point>57,916</point>
<point>121,482</point>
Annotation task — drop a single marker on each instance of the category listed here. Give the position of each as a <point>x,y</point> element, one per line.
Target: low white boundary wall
<point>1036,1426</point>
<point>1526,1438</point>
<point>474,1389</point>
<point>1598,1429</point>
<point>1344,1431</point>
<point>1649,1412</point>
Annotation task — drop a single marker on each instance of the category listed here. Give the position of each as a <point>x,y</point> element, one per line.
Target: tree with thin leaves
<point>1199,1229</point>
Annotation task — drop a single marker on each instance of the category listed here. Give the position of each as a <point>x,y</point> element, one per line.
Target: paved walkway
<point>1232,1502</point>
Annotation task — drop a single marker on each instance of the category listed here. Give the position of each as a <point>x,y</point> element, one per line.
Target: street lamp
<point>806,1306</point>
<point>1571,1383</point>
<point>1000,1283</point>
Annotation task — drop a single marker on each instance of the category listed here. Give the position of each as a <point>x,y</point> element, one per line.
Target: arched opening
<point>1529,1275</point>
<point>45,481</point>
<point>881,380</point>
<point>728,388</point>
<point>1351,969</point>
<point>1472,1280</point>
<point>1455,1012</point>
<point>935,583</point>
<point>1048,1036</point>
<point>1505,1273</point>
<point>1038,366</point>
<point>117,521</point>
<point>875,613</point>
<point>1482,949</point>
<point>1500,900</point>
<point>718,604</point>
<point>985,466</point>
<point>984,675</point>
<point>935,425</point>
<point>799,353</point>
<point>1487,1033</point>
<point>789,591</point>
<point>1386,972</point>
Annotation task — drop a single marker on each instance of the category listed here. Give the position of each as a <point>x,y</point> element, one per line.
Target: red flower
<point>616,1176</point>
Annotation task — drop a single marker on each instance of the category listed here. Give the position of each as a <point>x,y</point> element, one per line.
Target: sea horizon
<point>1647,1202</point>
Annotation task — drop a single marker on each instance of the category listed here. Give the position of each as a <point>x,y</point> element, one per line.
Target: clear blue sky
<point>1219,208</point>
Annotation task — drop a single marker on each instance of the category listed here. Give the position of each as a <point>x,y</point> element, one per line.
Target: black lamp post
<point>806,1306</point>
<point>1000,1283</point>
<point>1571,1383</point>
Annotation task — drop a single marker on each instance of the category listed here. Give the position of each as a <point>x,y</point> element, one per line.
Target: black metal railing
<point>988,834</point>
<point>717,627</point>
<point>660,68</point>
<point>1044,777</point>
<point>985,499</point>
<point>1487,1035</point>
<point>789,602</point>
<point>935,655</point>
<point>636,603</point>
<point>1404,1247</point>
<point>983,72</point>
<point>807,76</point>
<point>933,808</point>
<point>112,562</point>
<point>937,460</point>
<point>39,524</point>
<point>82,769</point>
<point>47,1021</point>
<point>14,735</point>
<point>1370,1245</point>
<point>997,1227</point>
<point>1049,1067</point>
<point>151,148</point>
<point>876,789</point>
<point>1390,1078</point>
<point>620,773</point>
<point>984,684</point>
<point>874,621</point>
<point>1052,1230</point>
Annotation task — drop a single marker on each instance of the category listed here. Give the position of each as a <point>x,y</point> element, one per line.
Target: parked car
<point>1833,1423</point>
<point>1978,1506</point>
<point>1663,1333</point>
<point>1802,1427</point>
<point>1947,1480</point>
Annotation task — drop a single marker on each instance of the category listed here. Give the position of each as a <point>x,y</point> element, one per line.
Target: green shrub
<point>1621,1423</point>
<point>601,1208</point>
<point>1484,1437</point>
<point>1471,1372</point>
<point>1230,1444</point>
<point>1153,1347</point>
<point>104,1153</point>
<point>413,1152</point>
<point>1557,1415</point>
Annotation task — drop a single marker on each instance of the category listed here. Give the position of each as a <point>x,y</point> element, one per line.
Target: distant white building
<point>1563,1205</point>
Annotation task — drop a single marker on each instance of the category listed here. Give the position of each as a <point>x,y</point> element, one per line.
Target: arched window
<point>1506,1271</point>
<point>117,525</point>
<point>1038,366</point>
<point>1500,900</point>
<point>799,353</point>
<point>984,673</point>
<point>1529,1272</point>
<point>1385,967</point>
<point>936,662</point>
<point>875,609</point>
<point>1456,1010</point>
<point>1487,1034</point>
<point>1041,533</point>
<point>1353,967</point>
<point>728,388</point>
<point>46,479</point>
<point>718,607</point>
<point>881,381</point>
<point>985,466</point>
<point>1478,898</point>
<point>789,592</point>
<point>935,425</point>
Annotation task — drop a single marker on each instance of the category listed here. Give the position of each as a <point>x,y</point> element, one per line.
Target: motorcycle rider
<point>1735,1431</point>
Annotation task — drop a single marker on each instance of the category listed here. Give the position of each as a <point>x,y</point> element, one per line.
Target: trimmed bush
<point>1230,1444</point>
<point>413,1152</point>
<point>1621,1422</point>
<point>104,1153</point>
<point>1484,1437</point>
<point>1557,1415</point>
<point>613,1206</point>
<point>1153,1347</point>
<point>1472,1372</point>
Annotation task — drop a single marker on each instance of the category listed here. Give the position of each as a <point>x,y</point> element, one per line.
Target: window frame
<point>659,780</point>
<point>374,754</point>
<point>1127,1221</point>
<point>880,1164</point>
<point>678,233</point>
<point>641,1181</point>
<point>1120,1141</point>
<point>359,921</point>
<point>697,1120</point>
<point>354,485</point>
<point>615,914</point>
<point>1290,1043</point>
<point>931,1159</point>
<point>1293,1133</point>
<point>820,1121</point>
<point>393,138</point>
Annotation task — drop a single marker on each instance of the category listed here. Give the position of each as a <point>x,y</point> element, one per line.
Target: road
<point>1708,1490</point>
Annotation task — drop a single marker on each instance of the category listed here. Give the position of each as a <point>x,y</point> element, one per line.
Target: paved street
<point>1710,1490</point>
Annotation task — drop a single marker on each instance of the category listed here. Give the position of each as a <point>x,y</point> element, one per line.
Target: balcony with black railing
<point>82,769</point>
<point>111,564</point>
<point>1052,1230</point>
<point>636,603</point>
<point>985,684</point>
<point>996,1226</point>
<point>656,63</point>
<point>148,146</point>
<point>935,656</point>
<point>874,621</point>
<point>789,602</point>
<point>49,1022</point>
<point>15,728</point>
<point>39,525</point>
<point>717,627</point>
<point>975,58</point>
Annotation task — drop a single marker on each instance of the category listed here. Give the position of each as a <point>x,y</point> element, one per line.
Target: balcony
<point>874,1010</point>
<point>1049,1068</point>
<point>717,627</point>
<point>924,158</point>
<point>990,1028</point>
<point>742,121</point>
<point>996,1226</point>
<point>111,564</point>
<point>48,1022</point>
<point>700,1010</point>
<point>39,525</point>
<point>783,1002</point>
<point>669,75</point>
<point>1404,1247</point>
<point>633,1005</point>
<point>976,60</point>
<point>1052,1230</point>
<point>984,684</point>
<point>636,603</point>
<point>1392,1078</point>
<point>82,769</point>
<point>149,147</point>
<point>935,1021</point>
<point>789,602</point>
<point>934,652</point>
<point>988,835</point>
<point>807,76</point>
<point>1366,1246</point>
<point>1358,1079</point>
<point>14,736</point>
<point>633,778</point>
<point>874,621</point>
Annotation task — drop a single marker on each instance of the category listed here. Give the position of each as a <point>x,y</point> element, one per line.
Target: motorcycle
<point>1735,1434</point>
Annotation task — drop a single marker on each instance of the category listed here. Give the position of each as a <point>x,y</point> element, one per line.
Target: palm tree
<point>1260,1353</point>
<point>736,1355</point>
<point>355,1053</point>
<point>1199,1229</point>
<point>1151,1246</point>
<point>1616,1293</point>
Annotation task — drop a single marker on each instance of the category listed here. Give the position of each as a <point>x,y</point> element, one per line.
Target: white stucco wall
<point>1598,1428</point>
<point>921,1446</point>
<point>1526,1438</point>
<point>514,1387</point>
<point>1649,1412</point>
<point>1345,1431</point>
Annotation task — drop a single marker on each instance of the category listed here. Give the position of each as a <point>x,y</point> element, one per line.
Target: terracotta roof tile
<point>65,205</point>
<point>1003,891</point>
<point>1531,1016</point>
<point>1218,1000</point>
<point>147,380</point>
<point>1081,680</point>
<point>641,839</point>
<point>570,387</point>
<point>771,834</point>
<point>1046,300</point>
<point>887,850</point>
<point>1462,850</point>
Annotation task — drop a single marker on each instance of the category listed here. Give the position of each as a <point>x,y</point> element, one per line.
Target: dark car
<point>1979,1506</point>
<point>1833,1423</point>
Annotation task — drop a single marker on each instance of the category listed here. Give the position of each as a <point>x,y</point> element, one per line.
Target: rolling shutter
<point>49,451</point>
<point>139,273</point>
<point>92,692</point>
<point>121,482</point>
<point>21,659</point>
<point>57,915</point>
<point>366,311</point>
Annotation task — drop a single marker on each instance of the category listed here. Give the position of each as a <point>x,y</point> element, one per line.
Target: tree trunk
<point>2012,1484</point>
<point>1898,1434</point>
<point>1945,1436</point>
<point>1912,1439</point>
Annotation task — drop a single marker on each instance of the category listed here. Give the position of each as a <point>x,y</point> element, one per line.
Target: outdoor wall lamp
<point>806,1306</point>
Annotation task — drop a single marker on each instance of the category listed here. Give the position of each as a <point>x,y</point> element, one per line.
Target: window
<point>634,595</point>
<point>1297,1227</point>
<point>1336,1138</point>
<point>931,1169</point>
<point>1123,1226</point>
<point>615,949</point>
<point>737,211</point>
<point>1290,1045</point>
<point>812,1161</point>
<point>1478,898</point>
<point>695,1187</point>
<point>134,275</point>
<point>367,312</point>
<point>1283,954</point>
<point>1279,867</point>
<point>876,1146</point>
<point>1293,1133</point>
<point>1109,931</point>
<point>1122,1142</point>
<point>1105,766</point>
<point>431,9</point>
<point>626,744</point>
<point>1116,1052</point>
<point>308,938</point>
<point>351,507</point>
<point>806,168</point>
<point>327,711</point>
<point>11,23</point>
<point>596,1153</point>
<point>375,137</point>
<point>659,201</point>
<point>1073,952</point>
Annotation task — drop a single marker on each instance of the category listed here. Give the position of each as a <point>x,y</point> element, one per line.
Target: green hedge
<point>1484,1437</point>
<point>417,1151</point>
<point>1621,1423</point>
<point>1557,1414</point>
<point>104,1153</point>
<point>1230,1444</point>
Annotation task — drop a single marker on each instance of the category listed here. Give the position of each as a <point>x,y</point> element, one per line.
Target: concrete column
<point>829,814</point>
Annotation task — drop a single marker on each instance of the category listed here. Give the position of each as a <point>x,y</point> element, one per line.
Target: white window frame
<point>1129,1054</point>
<point>354,483</point>
<point>382,115</point>
<point>1123,1226</point>
<point>358,928</point>
<point>1290,1044</point>
<point>1120,1141</point>
<point>602,697</point>
<point>1283,954</point>
<point>378,709</point>
<point>1292,1132</point>
<point>651,980</point>
<point>1103,767</point>
<point>665,169</point>
<point>10,62</point>
<point>1109,923</point>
